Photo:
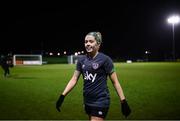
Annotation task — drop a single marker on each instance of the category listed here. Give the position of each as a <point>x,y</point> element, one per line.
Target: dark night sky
<point>128,28</point>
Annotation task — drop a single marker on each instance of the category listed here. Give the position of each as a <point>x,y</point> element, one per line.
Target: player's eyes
<point>86,41</point>
<point>90,41</point>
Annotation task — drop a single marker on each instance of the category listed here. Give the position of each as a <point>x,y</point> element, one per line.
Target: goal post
<point>25,59</point>
<point>72,59</point>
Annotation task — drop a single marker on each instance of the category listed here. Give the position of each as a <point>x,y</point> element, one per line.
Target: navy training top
<point>95,72</point>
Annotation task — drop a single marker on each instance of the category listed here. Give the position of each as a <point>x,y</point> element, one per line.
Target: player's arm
<point>117,85</point>
<point>71,83</point>
<point>124,105</point>
<point>68,88</point>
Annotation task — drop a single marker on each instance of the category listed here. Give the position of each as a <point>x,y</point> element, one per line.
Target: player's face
<point>91,44</point>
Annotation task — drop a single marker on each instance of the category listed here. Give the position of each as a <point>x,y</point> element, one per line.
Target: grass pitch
<point>30,93</point>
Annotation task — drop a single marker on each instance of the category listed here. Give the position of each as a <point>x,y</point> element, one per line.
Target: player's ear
<point>98,45</point>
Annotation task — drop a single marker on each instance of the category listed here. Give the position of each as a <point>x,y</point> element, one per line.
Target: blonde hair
<point>97,36</point>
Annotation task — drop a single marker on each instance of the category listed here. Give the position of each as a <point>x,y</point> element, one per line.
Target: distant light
<point>50,53</point>
<point>173,19</point>
<point>64,52</point>
<point>147,52</point>
<point>75,53</point>
<point>58,54</point>
<point>79,53</point>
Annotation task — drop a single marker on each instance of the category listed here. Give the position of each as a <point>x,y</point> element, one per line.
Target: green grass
<point>152,91</point>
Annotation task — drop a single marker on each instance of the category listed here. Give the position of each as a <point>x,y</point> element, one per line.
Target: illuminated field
<point>152,90</point>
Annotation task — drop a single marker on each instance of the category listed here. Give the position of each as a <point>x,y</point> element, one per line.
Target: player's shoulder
<point>104,55</point>
<point>81,57</point>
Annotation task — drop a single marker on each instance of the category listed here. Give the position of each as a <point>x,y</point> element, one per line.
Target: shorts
<point>96,111</point>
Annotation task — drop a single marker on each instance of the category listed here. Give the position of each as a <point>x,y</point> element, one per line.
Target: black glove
<point>59,102</point>
<point>125,108</point>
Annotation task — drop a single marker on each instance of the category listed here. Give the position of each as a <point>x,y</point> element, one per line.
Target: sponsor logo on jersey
<point>95,65</point>
<point>89,76</point>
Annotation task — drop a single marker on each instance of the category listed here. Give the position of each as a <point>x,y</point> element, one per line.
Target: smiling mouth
<point>88,48</point>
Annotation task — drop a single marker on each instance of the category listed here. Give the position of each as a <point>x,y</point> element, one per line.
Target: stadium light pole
<point>175,19</point>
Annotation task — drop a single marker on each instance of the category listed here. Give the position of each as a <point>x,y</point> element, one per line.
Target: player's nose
<point>87,44</point>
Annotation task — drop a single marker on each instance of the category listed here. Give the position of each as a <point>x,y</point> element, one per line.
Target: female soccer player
<point>95,68</point>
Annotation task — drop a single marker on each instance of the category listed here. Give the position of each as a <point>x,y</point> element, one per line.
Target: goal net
<point>19,59</point>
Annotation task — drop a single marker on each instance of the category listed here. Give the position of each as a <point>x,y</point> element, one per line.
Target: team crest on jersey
<point>95,65</point>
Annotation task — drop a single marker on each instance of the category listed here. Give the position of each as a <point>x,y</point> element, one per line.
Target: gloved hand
<point>59,102</point>
<point>125,108</point>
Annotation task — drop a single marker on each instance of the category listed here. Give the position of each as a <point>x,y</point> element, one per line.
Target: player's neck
<point>93,55</point>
